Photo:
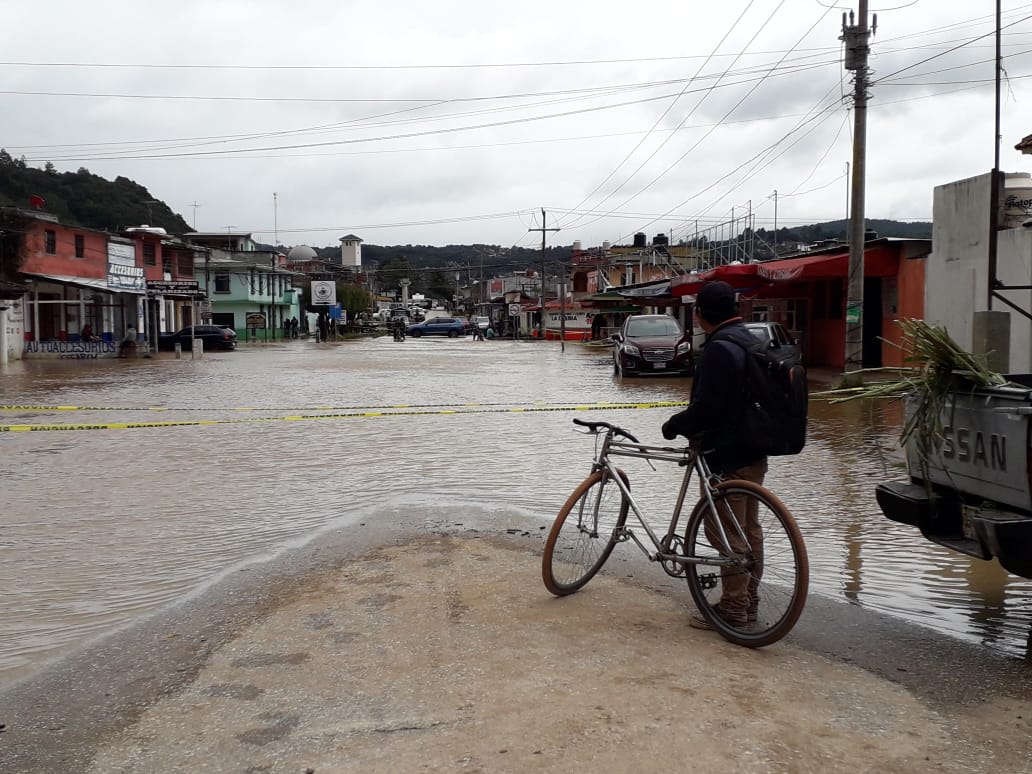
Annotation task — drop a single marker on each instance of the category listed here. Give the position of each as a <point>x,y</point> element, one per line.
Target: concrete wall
<point>14,327</point>
<point>955,279</point>
<point>1014,267</point>
<point>957,275</point>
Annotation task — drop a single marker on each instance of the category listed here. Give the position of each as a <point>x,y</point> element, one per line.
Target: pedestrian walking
<point>127,346</point>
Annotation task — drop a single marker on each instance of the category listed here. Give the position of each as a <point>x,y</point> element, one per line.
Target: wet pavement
<point>248,454</point>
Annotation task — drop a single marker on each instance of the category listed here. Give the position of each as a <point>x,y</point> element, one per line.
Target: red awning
<point>740,276</point>
<point>878,262</point>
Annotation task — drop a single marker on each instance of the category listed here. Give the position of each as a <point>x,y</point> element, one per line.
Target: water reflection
<point>98,527</point>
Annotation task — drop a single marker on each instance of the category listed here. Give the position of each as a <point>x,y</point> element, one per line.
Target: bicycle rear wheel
<point>583,534</point>
<point>778,574</point>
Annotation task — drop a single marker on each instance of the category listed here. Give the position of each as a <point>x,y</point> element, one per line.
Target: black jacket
<point>718,399</point>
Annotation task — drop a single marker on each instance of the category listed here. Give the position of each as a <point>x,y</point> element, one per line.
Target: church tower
<point>351,251</point>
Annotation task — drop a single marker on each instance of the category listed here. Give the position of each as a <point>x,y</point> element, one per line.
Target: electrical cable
<point>669,107</point>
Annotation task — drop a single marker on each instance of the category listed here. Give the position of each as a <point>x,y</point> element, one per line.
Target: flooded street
<point>244,454</point>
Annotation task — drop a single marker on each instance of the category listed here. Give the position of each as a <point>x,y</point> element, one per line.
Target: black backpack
<point>774,422</point>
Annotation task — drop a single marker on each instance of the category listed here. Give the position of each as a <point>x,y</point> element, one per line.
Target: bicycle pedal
<point>708,581</point>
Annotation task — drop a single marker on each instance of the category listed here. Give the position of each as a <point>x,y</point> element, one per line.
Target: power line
<point>447,130</point>
<point>670,107</point>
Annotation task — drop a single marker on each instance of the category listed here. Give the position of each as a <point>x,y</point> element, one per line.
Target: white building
<point>351,251</point>
<point>957,276</point>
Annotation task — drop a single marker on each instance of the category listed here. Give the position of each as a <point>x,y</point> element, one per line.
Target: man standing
<point>717,402</point>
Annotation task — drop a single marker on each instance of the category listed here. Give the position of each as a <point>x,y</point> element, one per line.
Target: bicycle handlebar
<point>595,427</point>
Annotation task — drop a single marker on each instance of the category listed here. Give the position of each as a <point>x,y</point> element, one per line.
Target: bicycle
<point>594,519</point>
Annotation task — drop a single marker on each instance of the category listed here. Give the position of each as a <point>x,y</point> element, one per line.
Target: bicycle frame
<point>693,461</point>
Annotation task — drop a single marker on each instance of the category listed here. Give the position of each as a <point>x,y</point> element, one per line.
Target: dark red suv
<point>651,343</point>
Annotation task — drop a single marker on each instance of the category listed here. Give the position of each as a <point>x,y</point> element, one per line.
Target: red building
<point>807,295</point>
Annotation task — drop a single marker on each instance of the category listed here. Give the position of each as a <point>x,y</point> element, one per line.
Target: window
<point>221,283</point>
<point>835,300</point>
<point>50,242</point>
<point>185,264</point>
<point>150,254</point>
<point>820,300</point>
<point>80,246</point>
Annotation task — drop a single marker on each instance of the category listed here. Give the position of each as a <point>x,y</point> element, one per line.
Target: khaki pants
<point>740,587</point>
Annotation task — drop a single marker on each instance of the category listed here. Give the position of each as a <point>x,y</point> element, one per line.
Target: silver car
<point>775,337</point>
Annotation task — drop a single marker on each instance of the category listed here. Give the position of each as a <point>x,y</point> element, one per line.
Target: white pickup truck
<point>976,494</point>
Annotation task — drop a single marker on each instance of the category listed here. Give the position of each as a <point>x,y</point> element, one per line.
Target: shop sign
<point>122,271</point>
<point>173,286</point>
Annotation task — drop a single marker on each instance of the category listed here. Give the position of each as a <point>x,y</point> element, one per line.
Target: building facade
<point>84,290</point>
<point>957,286</point>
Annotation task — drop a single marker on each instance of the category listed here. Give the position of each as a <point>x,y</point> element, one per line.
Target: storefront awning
<point>609,295</point>
<point>89,283</point>
<point>741,276</point>
<point>878,262</point>
<point>648,290</point>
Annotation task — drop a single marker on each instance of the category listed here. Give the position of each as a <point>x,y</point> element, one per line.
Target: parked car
<point>775,337</point>
<point>212,337</point>
<point>438,326</point>
<point>651,343</point>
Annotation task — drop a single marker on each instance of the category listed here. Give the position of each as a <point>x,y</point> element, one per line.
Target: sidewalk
<point>442,651</point>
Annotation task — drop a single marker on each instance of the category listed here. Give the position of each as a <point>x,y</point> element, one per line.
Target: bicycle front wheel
<point>584,533</point>
<point>757,601</point>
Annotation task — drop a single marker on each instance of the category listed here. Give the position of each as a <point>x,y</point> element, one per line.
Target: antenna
<point>195,205</point>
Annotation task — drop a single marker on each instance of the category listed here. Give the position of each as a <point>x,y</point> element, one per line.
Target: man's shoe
<point>697,620</point>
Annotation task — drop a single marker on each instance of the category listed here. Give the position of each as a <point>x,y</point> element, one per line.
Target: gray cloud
<point>478,153</point>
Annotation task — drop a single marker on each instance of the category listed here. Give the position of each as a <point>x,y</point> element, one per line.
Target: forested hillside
<point>85,199</point>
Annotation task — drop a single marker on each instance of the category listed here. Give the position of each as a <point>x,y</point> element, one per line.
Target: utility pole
<point>856,37</point>
<point>775,222</point>
<point>275,220</point>
<point>195,205</point>
<point>542,230</point>
<point>995,179</point>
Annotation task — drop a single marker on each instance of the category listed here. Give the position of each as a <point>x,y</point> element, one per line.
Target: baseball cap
<point>716,302</point>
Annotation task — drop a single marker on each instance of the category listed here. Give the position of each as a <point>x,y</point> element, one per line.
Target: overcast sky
<point>414,122</point>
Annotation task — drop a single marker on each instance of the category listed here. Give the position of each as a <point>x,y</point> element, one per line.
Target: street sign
<point>514,310</point>
<point>324,293</point>
<point>255,320</point>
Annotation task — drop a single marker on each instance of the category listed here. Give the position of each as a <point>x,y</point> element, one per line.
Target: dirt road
<point>436,648</point>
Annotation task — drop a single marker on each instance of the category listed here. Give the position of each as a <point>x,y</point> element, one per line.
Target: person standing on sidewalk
<point>717,401</point>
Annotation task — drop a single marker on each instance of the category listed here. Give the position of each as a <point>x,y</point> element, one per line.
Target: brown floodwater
<point>249,453</point>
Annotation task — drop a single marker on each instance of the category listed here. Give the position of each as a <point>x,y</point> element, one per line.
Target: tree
<point>439,285</point>
<point>49,168</point>
<point>353,299</point>
<point>392,272</point>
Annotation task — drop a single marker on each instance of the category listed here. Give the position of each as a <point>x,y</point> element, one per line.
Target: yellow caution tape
<point>597,404</point>
<point>26,428</point>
